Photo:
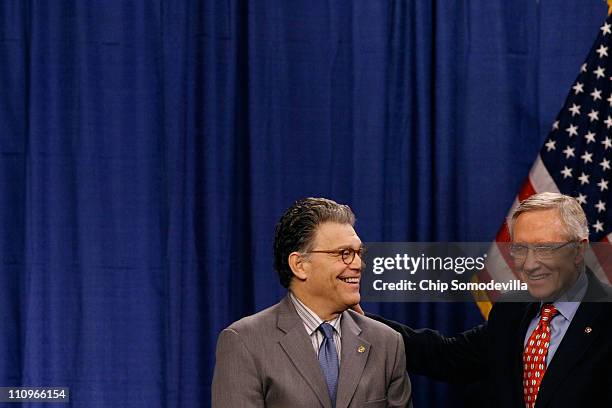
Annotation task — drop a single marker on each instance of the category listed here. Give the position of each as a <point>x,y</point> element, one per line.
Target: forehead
<point>333,235</point>
<point>540,226</point>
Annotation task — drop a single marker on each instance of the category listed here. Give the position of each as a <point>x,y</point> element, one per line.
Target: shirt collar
<point>310,319</point>
<point>567,304</point>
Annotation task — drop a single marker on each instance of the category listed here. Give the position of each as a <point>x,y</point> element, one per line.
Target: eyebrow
<point>348,246</point>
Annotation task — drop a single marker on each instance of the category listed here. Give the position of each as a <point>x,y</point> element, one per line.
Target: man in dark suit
<point>309,350</point>
<point>553,352</point>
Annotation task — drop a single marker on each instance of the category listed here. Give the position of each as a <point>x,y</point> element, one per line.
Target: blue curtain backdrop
<point>148,147</point>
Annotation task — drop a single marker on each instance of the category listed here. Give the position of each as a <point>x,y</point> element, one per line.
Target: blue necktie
<point>328,358</point>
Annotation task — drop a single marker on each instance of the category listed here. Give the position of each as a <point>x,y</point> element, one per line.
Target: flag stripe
<point>540,179</point>
<point>601,260</point>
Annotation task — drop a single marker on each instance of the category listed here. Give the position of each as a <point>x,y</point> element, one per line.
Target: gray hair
<point>571,213</point>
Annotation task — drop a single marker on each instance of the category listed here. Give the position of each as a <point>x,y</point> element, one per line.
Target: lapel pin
<point>587,330</point>
<point>361,349</point>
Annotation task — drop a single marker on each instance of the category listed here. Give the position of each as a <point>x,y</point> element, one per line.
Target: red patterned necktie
<point>534,355</point>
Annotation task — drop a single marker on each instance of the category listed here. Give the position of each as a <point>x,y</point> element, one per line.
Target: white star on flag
<point>587,157</point>
<point>593,115</point>
<point>590,137</point>
<point>579,87</point>
<point>598,226</point>
<point>567,172</point>
<point>575,109</point>
<point>603,184</point>
<point>606,29</point>
<point>581,198</point>
<point>584,179</point>
<point>569,152</point>
<point>607,143</point>
<point>602,51</point>
<point>599,72</point>
<point>572,130</point>
<point>550,145</point>
<point>601,206</point>
<point>605,164</point>
<point>596,94</point>
<point>583,67</point>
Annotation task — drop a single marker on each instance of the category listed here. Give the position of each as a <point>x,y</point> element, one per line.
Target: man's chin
<point>354,300</point>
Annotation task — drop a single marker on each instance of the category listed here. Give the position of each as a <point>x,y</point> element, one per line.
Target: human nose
<point>357,262</point>
<point>531,261</point>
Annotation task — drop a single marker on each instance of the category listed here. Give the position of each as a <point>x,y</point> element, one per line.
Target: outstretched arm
<point>459,359</point>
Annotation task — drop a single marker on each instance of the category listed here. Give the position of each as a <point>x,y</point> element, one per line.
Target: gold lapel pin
<point>587,330</point>
<point>361,349</point>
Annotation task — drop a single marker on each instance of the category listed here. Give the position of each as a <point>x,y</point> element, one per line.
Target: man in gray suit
<point>309,350</point>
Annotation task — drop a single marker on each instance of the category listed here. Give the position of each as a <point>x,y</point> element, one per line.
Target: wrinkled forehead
<point>540,226</point>
<point>333,235</point>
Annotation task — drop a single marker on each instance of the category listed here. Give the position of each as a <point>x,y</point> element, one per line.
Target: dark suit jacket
<point>579,375</point>
<point>267,360</point>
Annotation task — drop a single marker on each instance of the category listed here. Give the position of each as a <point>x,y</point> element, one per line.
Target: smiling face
<point>546,280</point>
<point>324,282</point>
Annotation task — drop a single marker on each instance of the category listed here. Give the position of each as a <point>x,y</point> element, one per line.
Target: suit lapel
<point>299,349</point>
<point>355,351</point>
<point>575,343</point>
<point>530,311</point>
<point>577,338</point>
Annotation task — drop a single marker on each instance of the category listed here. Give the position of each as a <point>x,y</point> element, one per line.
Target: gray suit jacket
<point>267,360</point>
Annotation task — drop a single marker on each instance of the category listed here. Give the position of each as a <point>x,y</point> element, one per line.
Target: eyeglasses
<point>347,254</point>
<point>541,252</point>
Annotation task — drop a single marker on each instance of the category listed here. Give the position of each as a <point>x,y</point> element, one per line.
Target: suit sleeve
<point>459,359</point>
<point>236,382</point>
<point>399,392</point>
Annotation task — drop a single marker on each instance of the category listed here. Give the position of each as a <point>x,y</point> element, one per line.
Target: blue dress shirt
<point>567,305</point>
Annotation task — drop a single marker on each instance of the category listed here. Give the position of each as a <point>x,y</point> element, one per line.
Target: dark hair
<point>296,228</point>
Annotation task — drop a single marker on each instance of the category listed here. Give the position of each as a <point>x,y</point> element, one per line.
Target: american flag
<point>576,159</point>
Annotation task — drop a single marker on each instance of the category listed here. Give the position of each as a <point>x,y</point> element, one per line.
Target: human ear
<point>581,248</point>
<point>298,265</point>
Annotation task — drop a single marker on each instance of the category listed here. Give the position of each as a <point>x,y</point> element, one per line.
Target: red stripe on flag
<point>503,238</point>
<point>503,235</point>
<point>604,257</point>
<point>527,190</point>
